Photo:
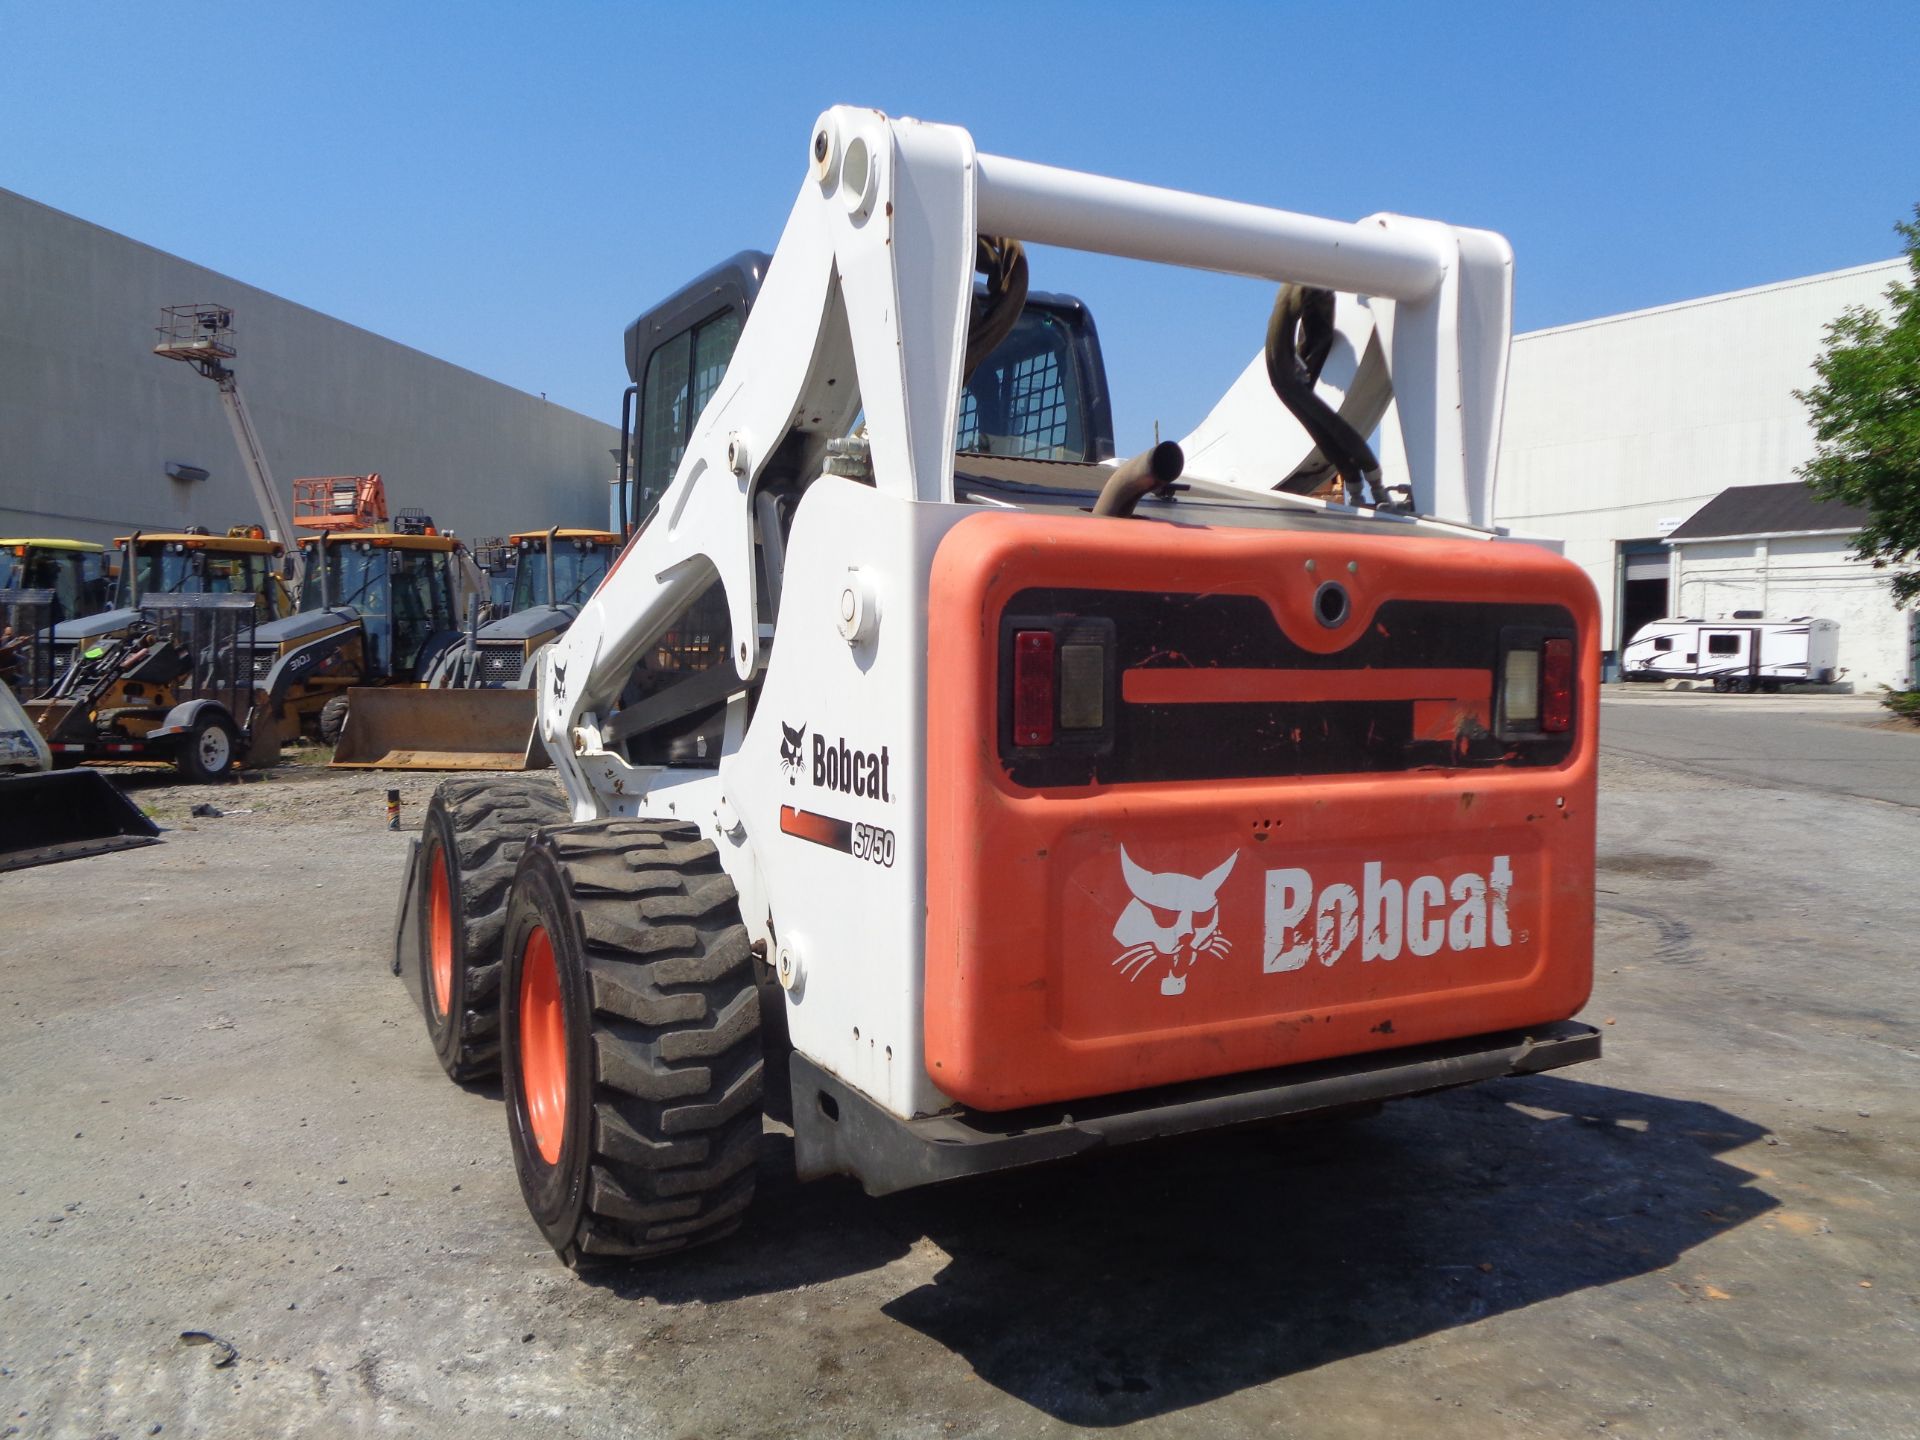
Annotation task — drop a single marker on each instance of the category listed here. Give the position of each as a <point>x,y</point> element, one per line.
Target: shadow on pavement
<point>1142,1283</point>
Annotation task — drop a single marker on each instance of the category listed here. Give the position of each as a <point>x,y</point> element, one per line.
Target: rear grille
<point>1208,687</point>
<point>500,663</point>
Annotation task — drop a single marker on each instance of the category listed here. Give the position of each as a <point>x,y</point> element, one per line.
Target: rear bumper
<point>838,1131</point>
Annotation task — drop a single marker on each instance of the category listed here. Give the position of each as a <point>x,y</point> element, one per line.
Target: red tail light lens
<point>1556,686</point>
<point>1033,706</point>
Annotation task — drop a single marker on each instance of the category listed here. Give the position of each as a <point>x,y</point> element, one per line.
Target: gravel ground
<point>223,1116</point>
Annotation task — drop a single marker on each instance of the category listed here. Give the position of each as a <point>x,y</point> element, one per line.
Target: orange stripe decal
<point>820,829</point>
<point>1167,686</point>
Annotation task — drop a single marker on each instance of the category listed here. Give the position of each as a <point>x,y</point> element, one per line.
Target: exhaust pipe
<point>1146,472</point>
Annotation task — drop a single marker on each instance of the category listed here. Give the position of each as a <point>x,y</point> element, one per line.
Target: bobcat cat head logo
<point>790,749</point>
<point>559,680</point>
<point>1172,918</point>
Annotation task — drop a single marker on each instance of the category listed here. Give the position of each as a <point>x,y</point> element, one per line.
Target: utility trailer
<point>1013,808</point>
<point>1742,655</point>
<point>174,688</point>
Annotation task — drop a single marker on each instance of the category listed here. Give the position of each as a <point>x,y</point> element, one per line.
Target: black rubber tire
<point>480,824</point>
<point>333,719</point>
<point>190,761</point>
<point>664,1055</point>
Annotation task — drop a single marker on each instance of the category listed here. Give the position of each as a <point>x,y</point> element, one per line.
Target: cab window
<point>682,376</point>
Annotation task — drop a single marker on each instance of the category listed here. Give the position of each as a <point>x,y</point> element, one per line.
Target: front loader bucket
<point>64,815</point>
<point>413,729</point>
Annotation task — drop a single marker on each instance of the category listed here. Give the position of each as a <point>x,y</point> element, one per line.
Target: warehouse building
<point>1660,446</point>
<point>98,436</point>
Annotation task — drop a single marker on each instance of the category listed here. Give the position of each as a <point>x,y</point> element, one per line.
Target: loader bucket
<point>64,815</point>
<point>414,729</point>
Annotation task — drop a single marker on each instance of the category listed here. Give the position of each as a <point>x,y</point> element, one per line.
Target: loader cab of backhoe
<point>401,587</point>
<point>559,567</point>
<point>75,571</point>
<point>189,563</point>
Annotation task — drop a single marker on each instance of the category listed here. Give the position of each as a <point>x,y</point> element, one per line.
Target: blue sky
<point>506,186</point>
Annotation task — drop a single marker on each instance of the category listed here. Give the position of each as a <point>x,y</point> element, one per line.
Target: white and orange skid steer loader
<point>1016,807</point>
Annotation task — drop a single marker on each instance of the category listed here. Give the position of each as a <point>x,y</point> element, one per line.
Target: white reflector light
<point>1522,690</point>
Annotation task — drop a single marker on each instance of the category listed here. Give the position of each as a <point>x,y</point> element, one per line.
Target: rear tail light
<point>1536,685</point>
<point>1033,687</point>
<point>1556,686</point>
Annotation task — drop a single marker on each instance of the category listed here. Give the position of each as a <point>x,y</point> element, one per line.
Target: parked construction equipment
<point>47,815</point>
<point>378,608</point>
<point>1038,806</point>
<point>175,686</point>
<point>243,561</point>
<point>74,572</point>
<point>476,712</point>
<point>340,502</point>
<point>554,571</point>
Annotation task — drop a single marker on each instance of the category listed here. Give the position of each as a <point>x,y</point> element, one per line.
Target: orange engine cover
<point>1295,821</point>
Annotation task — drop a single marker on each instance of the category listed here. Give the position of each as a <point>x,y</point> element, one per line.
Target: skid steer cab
<point>1010,806</point>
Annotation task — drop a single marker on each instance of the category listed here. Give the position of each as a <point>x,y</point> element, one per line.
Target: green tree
<point>1866,422</point>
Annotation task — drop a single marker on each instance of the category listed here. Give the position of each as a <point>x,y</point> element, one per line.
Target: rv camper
<point>1743,654</point>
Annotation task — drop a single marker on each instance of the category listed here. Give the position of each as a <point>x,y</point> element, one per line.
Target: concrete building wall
<point>1786,576</point>
<point>1618,429</point>
<point>89,417</point>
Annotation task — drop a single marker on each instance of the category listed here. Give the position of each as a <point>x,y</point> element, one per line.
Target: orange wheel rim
<point>440,933</point>
<point>543,1046</point>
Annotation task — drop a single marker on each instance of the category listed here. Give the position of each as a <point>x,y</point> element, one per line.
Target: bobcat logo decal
<point>790,750</point>
<point>559,680</point>
<point>1172,919</point>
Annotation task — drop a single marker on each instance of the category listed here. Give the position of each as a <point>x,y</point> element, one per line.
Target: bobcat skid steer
<point>1038,807</point>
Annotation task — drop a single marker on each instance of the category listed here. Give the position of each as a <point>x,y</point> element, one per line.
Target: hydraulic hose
<point>1004,263</point>
<point>1299,338</point>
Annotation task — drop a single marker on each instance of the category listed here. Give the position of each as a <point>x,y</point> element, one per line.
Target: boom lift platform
<point>202,335</point>
<point>1035,806</point>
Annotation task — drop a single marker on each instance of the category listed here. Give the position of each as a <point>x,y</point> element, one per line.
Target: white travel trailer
<point>1743,654</point>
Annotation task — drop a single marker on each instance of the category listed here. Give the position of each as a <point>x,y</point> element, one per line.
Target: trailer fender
<point>181,718</point>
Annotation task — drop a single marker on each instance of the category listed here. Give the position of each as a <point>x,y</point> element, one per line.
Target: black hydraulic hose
<point>1146,472</point>
<point>1299,338</point>
<point>1004,263</point>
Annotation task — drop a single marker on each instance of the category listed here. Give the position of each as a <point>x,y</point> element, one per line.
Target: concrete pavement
<point>1836,744</point>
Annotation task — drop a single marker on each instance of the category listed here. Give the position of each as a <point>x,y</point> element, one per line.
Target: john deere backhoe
<point>1028,808</point>
<point>476,710</point>
<point>377,608</point>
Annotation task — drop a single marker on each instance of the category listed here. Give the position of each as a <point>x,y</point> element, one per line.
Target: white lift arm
<point>866,307</point>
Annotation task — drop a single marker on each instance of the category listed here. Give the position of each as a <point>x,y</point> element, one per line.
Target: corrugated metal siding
<point>89,416</point>
<point>1616,425</point>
